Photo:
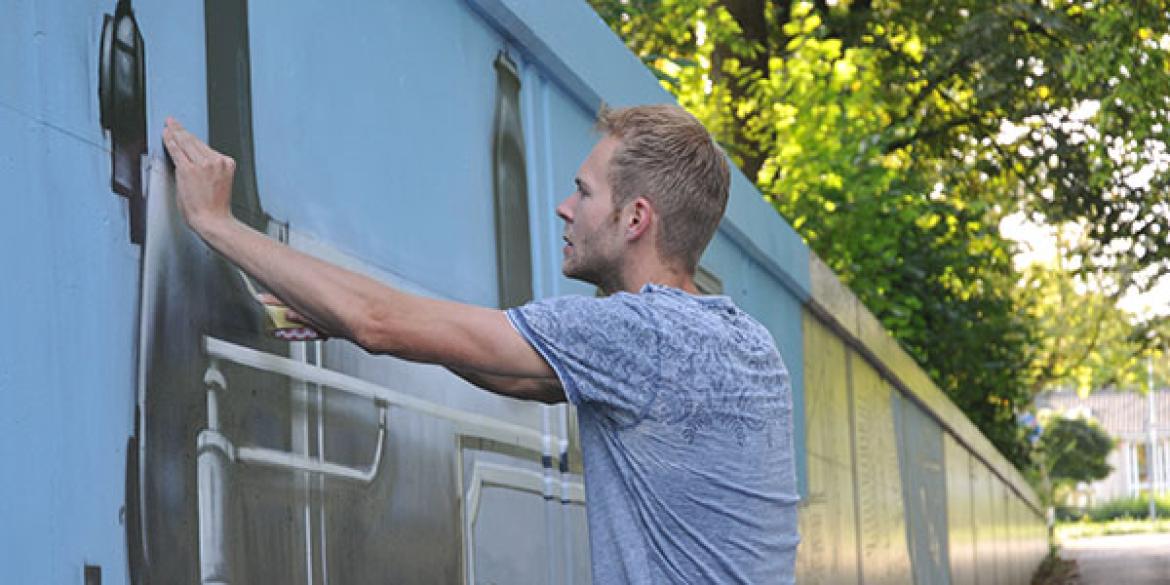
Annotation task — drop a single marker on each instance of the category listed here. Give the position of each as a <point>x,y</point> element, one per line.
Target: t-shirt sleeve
<point>604,350</point>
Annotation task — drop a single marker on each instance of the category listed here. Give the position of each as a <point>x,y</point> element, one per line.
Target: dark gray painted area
<point>229,101</point>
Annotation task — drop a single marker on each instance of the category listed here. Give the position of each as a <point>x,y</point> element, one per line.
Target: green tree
<point>1071,451</point>
<point>894,136</point>
<point>1085,341</point>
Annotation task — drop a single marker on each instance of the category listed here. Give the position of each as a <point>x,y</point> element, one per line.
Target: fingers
<point>269,299</point>
<point>184,146</point>
<point>289,313</point>
<point>170,139</point>
<point>296,317</point>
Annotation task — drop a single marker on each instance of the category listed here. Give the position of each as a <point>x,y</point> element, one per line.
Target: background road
<point>1131,559</point>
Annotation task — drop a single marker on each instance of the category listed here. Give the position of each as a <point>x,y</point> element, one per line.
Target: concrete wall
<point>902,488</point>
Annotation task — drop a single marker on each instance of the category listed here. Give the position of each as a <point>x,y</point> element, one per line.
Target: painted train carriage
<point>154,432</point>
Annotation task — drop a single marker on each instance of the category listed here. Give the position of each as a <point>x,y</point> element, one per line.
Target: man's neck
<point>637,276</point>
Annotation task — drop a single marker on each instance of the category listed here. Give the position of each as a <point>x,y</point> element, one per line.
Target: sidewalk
<point>1130,559</point>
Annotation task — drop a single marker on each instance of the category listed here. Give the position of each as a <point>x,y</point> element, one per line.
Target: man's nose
<point>563,210</point>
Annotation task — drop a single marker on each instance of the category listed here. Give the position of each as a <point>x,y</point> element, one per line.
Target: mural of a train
<point>153,432</point>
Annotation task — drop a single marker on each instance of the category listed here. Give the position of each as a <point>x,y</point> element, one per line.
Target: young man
<point>683,401</point>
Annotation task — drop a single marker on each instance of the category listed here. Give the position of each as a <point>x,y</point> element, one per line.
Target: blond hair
<point>668,157</point>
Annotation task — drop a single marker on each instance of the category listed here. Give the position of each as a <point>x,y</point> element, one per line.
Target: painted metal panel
<point>507,524</point>
<point>920,456</point>
<point>881,515</point>
<point>828,551</point>
<point>505,550</point>
<point>960,513</point>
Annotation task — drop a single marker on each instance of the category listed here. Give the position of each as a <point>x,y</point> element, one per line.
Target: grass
<point>1066,531</point>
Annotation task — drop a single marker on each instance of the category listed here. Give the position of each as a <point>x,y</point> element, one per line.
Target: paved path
<point>1131,559</point>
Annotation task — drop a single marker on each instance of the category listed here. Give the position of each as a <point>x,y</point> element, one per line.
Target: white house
<point>1125,416</point>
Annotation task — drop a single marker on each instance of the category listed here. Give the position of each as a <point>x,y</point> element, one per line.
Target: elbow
<point>549,391</point>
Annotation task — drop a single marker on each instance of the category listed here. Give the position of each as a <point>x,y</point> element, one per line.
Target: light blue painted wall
<point>70,285</point>
<point>560,137</point>
<point>375,133</point>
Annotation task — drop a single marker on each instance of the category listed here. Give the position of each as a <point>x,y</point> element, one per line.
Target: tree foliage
<point>895,135</point>
<point>1074,450</point>
<point>1085,340</point>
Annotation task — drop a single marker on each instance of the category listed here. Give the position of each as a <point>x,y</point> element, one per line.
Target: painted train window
<point>510,185</point>
<point>122,101</point>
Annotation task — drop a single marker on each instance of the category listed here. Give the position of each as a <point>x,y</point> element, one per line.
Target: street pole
<point>1153,438</point>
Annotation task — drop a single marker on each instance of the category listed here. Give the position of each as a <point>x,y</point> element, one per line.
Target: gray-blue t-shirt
<point>685,412</point>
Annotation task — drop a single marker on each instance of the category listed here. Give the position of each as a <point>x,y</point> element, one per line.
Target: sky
<point>1038,245</point>
<point>1038,242</point>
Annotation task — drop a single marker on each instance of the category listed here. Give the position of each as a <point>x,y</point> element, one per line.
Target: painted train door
<point>264,461</point>
<point>200,416</point>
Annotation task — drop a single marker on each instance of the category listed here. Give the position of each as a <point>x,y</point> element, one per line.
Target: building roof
<point>1121,414</point>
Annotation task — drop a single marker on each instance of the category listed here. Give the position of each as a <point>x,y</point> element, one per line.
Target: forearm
<point>344,303</point>
<point>377,317</point>
<point>327,295</point>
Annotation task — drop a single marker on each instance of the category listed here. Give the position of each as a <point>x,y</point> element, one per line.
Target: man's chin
<point>572,272</point>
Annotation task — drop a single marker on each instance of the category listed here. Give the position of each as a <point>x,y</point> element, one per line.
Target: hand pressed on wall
<point>204,176</point>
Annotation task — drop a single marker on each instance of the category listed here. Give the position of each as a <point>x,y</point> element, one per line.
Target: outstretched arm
<point>346,304</point>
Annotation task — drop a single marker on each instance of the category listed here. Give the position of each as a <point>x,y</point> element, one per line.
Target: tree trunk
<point>751,15</point>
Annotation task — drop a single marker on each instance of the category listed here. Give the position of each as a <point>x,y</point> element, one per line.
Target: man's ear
<point>640,216</point>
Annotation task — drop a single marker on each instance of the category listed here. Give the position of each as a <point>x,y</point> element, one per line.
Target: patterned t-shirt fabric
<point>685,414</point>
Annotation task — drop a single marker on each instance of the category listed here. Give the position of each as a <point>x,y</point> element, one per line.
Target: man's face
<point>593,234</point>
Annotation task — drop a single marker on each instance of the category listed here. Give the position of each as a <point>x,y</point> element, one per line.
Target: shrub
<point>1136,507</point>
